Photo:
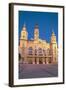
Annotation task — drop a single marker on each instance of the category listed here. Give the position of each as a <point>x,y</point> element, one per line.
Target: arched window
<point>44,52</point>
<point>40,51</point>
<point>48,51</point>
<point>30,50</point>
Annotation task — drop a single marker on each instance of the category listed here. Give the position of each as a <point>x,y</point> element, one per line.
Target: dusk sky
<point>47,22</point>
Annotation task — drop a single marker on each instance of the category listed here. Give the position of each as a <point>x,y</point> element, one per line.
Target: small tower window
<point>23,36</point>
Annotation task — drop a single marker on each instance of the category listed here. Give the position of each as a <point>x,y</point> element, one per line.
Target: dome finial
<point>53,31</point>
<point>36,26</point>
<point>24,25</point>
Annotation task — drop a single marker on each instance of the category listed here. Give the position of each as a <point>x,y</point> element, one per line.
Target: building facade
<point>37,51</point>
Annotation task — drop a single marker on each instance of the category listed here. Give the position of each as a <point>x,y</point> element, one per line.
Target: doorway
<point>40,61</point>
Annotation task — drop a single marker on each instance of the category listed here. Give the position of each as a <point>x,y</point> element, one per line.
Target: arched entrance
<point>40,61</point>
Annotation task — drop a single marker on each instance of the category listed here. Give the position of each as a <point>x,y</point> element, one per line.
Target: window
<point>40,51</point>
<point>44,52</point>
<point>48,51</point>
<point>35,51</point>
<point>23,36</point>
<point>30,50</point>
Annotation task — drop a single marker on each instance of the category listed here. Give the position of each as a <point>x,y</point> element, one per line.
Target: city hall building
<point>37,51</point>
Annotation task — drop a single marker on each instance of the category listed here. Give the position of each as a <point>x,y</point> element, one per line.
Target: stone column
<point>47,61</point>
<point>33,60</point>
<point>37,60</point>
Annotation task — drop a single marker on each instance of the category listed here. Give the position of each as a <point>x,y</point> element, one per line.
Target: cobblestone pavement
<point>37,70</point>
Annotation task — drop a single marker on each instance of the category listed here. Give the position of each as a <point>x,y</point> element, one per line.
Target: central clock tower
<point>36,32</point>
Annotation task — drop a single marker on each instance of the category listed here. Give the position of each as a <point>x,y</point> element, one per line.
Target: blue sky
<point>47,22</point>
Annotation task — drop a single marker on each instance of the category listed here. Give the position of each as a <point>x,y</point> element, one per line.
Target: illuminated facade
<point>37,51</point>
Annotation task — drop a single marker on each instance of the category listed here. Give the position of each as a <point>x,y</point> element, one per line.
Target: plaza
<point>27,71</point>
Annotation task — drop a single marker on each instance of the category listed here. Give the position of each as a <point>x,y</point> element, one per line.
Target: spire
<point>53,34</point>
<point>36,32</point>
<point>24,26</point>
<point>36,26</point>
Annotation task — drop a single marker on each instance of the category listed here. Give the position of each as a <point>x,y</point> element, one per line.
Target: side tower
<point>36,32</point>
<point>54,48</point>
<point>23,44</point>
<point>23,37</point>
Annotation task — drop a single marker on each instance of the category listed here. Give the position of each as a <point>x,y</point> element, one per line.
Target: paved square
<point>37,70</point>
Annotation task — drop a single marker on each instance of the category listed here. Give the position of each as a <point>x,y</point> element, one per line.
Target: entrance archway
<point>40,61</point>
